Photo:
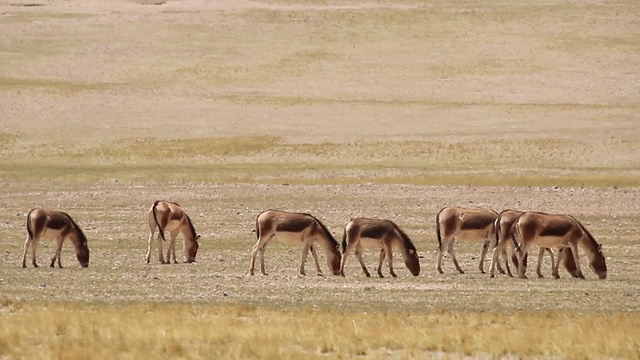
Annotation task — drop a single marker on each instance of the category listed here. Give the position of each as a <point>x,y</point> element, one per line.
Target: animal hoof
<point>492,276</point>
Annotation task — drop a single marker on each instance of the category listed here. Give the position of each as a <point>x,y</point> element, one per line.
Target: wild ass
<point>464,224</point>
<point>58,226</point>
<point>362,233</point>
<point>504,222</point>
<point>169,216</point>
<point>556,231</point>
<point>295,228</point>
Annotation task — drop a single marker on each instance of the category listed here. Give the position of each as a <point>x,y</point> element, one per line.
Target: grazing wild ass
<point>58,225</point>
<point>295,228</point>
<point>464,224</point>
<point>362,233</point>
<point>504,222</point>
<point>169,216</point>
<point>556,231</point>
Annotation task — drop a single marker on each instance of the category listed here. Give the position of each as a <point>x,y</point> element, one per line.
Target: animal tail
<point>155,217</point>
<point>29,226</point>
<point>257,228</point>
<point>497,230</point>
<point>438,230</point>
<point>344,241</point>
<point>512,232</point>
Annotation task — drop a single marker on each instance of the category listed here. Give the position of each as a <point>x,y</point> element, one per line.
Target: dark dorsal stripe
<point>374,231</point>
<point>57,223</point>
<point>295,224</point>
<point>477,222</point>
<point>556,228</point>
<point>174,215</point>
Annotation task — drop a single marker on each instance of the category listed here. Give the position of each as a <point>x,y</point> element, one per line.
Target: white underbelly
<point>550,241</point>
<point>173,225</point>
<point>51,233</point>
<point>369,243</point>
<point>286,237</point>
<point>471,235</point>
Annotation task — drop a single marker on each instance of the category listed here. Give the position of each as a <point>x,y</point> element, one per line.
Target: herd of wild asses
<point>558,234</point>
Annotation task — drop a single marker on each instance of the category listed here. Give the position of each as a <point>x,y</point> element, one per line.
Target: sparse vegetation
<point>339,108</point>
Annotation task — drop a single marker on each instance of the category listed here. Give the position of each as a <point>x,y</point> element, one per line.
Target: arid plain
<point>387,109</point>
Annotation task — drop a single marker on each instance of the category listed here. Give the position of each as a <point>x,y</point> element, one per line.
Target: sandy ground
<point>224,215</point>
<point>74,74</point>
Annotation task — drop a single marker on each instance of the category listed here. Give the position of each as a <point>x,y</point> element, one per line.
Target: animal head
<point>333,260</point>
<point>191,249</point>
<point>83,254</point>
<point>598,264</point>
<point>412,261</point>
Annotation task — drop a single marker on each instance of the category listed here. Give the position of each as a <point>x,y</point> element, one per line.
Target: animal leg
<point>495,257</point>
<point>574,250</point>
<point>315,258</point>
<point>453,257</point>
<point>382,255</point>
<point>152,229</point>
<point>343,260</point>
<point>27,243</point>
<point>522,258</point>
<point>148,257</point>
<point>305,251</point>
<point>506,255</point>
<point>555,263</point>
<point>540,259</point>
<point>172,248</point>
<point>160,255</point>
<point>254,253</point>
<point>34,244</point>
<point>499,265</point>
<point>359,251</point>
<point>440,253</point>
<point>262,268</point>
<point>389,252</point>
<point>483,253</point>
<point>56,254</point>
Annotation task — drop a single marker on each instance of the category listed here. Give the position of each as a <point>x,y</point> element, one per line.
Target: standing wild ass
<point>361,233</point>
<point>556,231</point>
<point>58,225</point>
<point>169,216</point>
<point>504,222</point>
<point>464,224</point>
<point>295,228</point>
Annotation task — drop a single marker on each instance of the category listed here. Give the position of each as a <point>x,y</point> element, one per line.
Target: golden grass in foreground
<point>73,331</point>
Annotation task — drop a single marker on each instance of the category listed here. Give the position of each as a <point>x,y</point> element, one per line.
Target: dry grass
<point>239,332</point>
<point>383,109</point>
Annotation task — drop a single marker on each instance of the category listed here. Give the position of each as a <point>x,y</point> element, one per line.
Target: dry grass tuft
<point>229,332</point>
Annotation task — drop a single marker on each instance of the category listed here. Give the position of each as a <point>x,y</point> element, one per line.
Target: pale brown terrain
<point>387,109</point>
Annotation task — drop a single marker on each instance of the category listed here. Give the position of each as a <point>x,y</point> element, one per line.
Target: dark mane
<point>406,241</point>
<point>584,229</point>
<point>334,242</point>
<point>193,229</point>
<point>83,238</point>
